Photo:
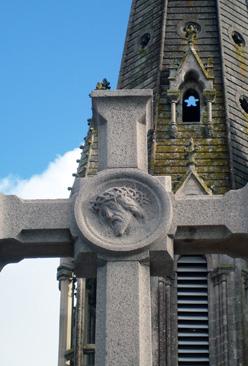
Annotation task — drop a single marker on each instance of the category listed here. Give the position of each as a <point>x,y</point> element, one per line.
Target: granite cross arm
<point>207,224</point>
<point>34,228</point>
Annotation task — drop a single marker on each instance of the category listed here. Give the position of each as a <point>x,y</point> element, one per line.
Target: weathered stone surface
<point>65,278</point>
<point>123,119</point>
<point>212,224</point>
<point>123,319</point>
<point>34,228</point>
<point>123,210</point>
<point>150,69</point>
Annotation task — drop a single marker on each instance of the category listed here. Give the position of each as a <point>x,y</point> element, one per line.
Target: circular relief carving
<point>123,211</point>
<point>191,22</point>
<point>191,30</point>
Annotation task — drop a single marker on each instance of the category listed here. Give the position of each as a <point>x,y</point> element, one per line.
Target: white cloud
<point>52,183</point>
<point>29,307</point>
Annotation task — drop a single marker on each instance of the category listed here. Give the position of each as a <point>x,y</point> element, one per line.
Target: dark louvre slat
<point>192,306</point>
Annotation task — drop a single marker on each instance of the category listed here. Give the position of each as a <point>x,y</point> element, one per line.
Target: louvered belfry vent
<point>192,307</point>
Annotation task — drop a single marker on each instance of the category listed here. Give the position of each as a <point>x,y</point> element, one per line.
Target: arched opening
<point>243,100</point>
<point>191,106</point>
<point>144,40</point>
<point>192,311</point>
<point>238,39</point>
<point>191,76</point>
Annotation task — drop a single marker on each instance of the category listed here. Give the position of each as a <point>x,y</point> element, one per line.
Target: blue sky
<point>52,55</point>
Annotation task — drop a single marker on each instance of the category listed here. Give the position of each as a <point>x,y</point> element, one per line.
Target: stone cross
<point>123,225</point>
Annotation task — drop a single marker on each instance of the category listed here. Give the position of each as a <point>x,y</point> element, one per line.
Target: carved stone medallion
<point>125,210</point>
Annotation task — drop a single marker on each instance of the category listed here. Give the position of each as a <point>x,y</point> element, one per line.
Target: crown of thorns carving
<point>117,193</point>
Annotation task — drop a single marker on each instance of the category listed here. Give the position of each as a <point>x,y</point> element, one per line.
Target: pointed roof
<point>192,184</point>
<point>192,61</point>
<point>155,37</point>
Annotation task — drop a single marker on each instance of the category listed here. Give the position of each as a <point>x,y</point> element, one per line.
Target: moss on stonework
<point>211,154</point>
<point>228,267</point>
<point>240,55</point>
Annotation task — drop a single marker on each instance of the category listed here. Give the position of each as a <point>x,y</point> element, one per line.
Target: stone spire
<point>172,46</point>
<point>193,54</point>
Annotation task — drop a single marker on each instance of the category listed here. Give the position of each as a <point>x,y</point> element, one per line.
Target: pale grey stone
<point>123,118</point>
<point>123,319</point>
<point>18,215</point>
<point>193,185</point>
<point>162,257</point>
<point>166,182</point>
<point>216,224</point>
<point>212,224</point>
<point>123,210</point>
<point>34,228</point>
<point>190,62</point>
<point>65,278</point>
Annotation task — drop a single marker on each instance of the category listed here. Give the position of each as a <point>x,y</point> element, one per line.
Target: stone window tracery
<point>191,93</point>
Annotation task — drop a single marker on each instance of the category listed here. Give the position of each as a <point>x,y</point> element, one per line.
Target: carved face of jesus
<point>117,209</point>
<point>117,217</point>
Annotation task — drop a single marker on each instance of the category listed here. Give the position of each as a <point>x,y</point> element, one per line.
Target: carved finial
<point>103,85</point>
<point>210,68</point>
<point>174,64</point>
<point>191,31</point>
<point>210,62</point>
<point>190,154</point>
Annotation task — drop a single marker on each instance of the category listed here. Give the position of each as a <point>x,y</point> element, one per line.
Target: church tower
<point>194,55</point>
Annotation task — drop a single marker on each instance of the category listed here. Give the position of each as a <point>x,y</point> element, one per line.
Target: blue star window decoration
<point>191,106</point>
<point>191,101</point>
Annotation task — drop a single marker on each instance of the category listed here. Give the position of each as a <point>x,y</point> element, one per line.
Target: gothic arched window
<point>191,106</point>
